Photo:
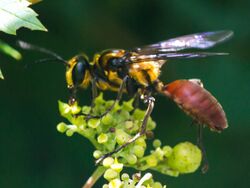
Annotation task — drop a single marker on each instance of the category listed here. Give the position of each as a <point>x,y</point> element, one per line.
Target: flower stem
<point>94,177</point>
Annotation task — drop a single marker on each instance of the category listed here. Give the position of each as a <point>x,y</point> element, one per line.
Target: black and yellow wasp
<point>136,72</point>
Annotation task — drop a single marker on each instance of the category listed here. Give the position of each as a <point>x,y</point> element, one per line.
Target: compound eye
<point>78,73</point>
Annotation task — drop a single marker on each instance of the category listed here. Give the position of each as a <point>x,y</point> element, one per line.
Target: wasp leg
<point>136,100</point>
<point>205,164</point>
<point>94,89</point>
<point>72,96</point>
<point>94,93</point>
<point>150,101</point>
<point>193,123</point>
<point>118,98</point>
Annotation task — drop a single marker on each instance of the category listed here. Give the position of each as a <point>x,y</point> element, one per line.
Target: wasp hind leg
<point>118,98</point>
<point>205,164</point>
<point>150,101</point>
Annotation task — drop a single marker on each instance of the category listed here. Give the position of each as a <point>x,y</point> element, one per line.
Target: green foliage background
<point>34,154</point>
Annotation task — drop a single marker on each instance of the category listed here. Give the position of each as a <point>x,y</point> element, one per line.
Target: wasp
<point>136,72</point>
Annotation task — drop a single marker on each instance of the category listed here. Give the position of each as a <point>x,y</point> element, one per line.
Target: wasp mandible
<point>136,72</point>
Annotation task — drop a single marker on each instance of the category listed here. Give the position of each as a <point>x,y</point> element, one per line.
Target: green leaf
<point>7,49</point>
<point>1,75</point>
<point>15,14</point>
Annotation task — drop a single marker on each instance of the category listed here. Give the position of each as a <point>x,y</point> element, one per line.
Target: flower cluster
<point>115,129</point>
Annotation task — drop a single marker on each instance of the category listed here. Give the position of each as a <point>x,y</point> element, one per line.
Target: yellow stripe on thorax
<point>145,73</point>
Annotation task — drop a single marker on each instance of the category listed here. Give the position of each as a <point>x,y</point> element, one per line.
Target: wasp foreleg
<point>72,97</point>
<point>118,98</point>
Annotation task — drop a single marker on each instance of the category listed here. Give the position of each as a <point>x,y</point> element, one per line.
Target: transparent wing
<point>197,41</point>
<point>165,56</point>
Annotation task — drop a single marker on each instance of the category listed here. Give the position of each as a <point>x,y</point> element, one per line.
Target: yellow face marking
<point>69,80</point>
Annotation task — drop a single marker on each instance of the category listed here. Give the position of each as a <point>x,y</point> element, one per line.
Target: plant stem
<point>94,177</point>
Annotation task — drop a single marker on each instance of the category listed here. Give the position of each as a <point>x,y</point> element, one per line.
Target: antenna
<point>27,46</point>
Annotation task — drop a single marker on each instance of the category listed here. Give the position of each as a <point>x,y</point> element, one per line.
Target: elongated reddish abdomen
<point>197,102</point>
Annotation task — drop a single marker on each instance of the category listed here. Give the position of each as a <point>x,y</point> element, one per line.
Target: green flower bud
<point>99,100</point>
<point>107,162</point>
<point>116,107</point>
<point>125,115</point>
<point>151,124</point>
<point>139,114</point>
<point>156,143</point>
<point>109,103</point>
<point>110,174</point>
<point>167,151</point>
<point>97,154</point>
<point>128,105</point>
<point>107,119</point>
<point>75,109</point>
<point>69,132</point>
<point>63,107</point>
<point>138,150</point>
<point>128,125</point>
<point>102,138</point>
<point>125,177</point>
<point>117,166</point>
<point>99,110</point>
<point>152,161</point>
<point>186,158</point>
<point>86,109</point>
<point>94,123</point>
<point>79,121</point>
<point>141,142</point>
<point>135,127</point>
<point>131,159</point>
<point>121,136</point>
<point>61,127</point>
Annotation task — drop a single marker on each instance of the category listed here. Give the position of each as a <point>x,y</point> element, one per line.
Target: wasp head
<point>78,72</point>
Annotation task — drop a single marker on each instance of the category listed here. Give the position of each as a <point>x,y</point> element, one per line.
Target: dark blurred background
<point>34,154</point>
